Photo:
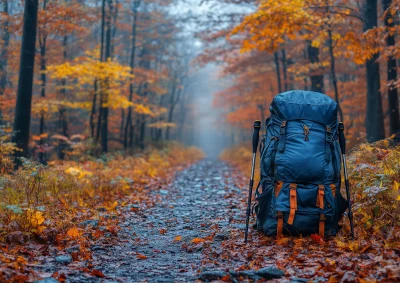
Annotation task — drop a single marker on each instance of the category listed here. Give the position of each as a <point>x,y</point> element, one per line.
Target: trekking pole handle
<point>342,139</point>
<point>256,134</point>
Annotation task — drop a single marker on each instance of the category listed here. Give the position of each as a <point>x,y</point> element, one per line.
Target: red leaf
<point>97,273</point>
<point>317,238</point>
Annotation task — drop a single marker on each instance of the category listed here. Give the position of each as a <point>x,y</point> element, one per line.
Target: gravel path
<point>164,242</point>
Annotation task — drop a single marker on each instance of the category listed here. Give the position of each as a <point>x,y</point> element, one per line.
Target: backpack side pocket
<point>265,204</point>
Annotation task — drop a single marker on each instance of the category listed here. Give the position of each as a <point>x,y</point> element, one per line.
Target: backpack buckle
<point>329,141</point>
<point>329,135</point>
<point>283,126</point>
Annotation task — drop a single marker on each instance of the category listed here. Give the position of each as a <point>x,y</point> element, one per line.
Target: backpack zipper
<point>265,148</point>
<point>335,169</point>
<point>272,164</point>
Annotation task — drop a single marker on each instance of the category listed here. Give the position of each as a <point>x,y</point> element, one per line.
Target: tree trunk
<point>103,16</point>
<point>43,90</point>
<point>142,127</point>
<point>104,105</point>
<point>4,56</point>
<point>393,98</point>
<point>333,74</point>
<point>93,111</point>
<point>278,71</point>
<point>62,120</point>
<point>374,118</point>
<point>305,78</point>
<point>171,106</point>
<point>284,67</point>
<point>159,131</point>
<point>182,119</point>
<point>317,80</point>
<point>25,79</point>
<point>97,83</point>
<point>128,124</point>
<point>114,31</point>
<point>121,127</point>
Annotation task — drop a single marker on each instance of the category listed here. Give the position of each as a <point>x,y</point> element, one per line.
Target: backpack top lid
<point>304,105</point>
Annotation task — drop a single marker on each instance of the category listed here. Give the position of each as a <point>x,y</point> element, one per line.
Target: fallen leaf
<point>97,234</point>
<point>74,233</point>
<point>97,273</point>
<point>198,240</point>
<point>21,260</point>
<point>163,231</point>
<point>364,249</point>
<point>317,238</point>
<point>178,238</point>
<point>75,256</point>
<point>141,256</point>
<point>36,218</point>
<point>112,206</point>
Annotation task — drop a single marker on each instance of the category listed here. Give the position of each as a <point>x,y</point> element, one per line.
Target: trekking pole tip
<point>257,124</point>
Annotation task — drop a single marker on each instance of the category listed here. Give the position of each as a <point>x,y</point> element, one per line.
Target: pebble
<point>270,272</point>
<point>212,275</point>
<point>349,277</point>
<point>47,280</point>
<point>73,249</point>
<point>91,222</point>
<point>64,259</point>
<point>221,237</point>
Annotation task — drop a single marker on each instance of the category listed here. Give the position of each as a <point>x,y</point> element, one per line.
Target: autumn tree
<point>393,97</point>
<point>25,81</point>
<point>128,128</point>
<point>374,119</point>
<point>4,51</point>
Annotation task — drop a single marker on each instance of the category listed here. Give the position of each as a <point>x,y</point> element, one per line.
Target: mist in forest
<point>209,132</point>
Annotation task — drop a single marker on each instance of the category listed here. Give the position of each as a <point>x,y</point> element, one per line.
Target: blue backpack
<point>300,167</point>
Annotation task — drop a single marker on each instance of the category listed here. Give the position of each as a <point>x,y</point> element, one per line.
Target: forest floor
<point>192,229</point>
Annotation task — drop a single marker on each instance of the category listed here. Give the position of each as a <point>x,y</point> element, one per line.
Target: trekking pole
<point>256,133</point>
<point>342,141</point>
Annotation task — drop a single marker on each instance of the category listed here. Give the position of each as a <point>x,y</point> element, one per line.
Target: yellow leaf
<point>396,186</point>
<point>41,228</point>
<point>198,240</point>
<point>330,261</point>
<point>112,206</point>
<point>178,238</point>
<point>74,233</point>
<point>21,260</point>
<point>36,218</point>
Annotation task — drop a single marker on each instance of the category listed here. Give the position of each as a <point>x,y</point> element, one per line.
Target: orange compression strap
<point>320,197</point>
<point>321,227</point>
<point>333,189</point>
<point>293,203</point>
<point>278,187</point>
<point>279,229</point>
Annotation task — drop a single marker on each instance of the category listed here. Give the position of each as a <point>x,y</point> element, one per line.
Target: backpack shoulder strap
<point>282,136</point>
<point>328,144</point>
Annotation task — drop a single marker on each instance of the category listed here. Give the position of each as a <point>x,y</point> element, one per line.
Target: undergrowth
<point>42,201</point>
